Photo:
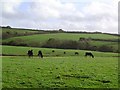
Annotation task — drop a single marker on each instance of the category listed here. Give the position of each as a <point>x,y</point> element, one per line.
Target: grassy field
<point>63,36</point>
<point>71,36</point>
<point>18,50</point>
<point>60,72</point>
<point>56,69</point>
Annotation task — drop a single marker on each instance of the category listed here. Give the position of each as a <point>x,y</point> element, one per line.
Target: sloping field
<point>40,39</point>
<point>64,36</point>
<point>15,32</point>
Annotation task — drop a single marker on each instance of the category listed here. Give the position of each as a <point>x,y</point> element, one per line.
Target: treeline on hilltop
<point>8,32</point>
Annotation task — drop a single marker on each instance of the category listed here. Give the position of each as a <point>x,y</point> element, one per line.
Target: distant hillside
<point>8,32</point>
<point>15,32</point>
<point>60,39</point>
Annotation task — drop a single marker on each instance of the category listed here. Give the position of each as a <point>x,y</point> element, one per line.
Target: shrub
<point>105,48</point>
<point>8,27</point>
<point>84,45</point>
<point>69,44</point>
<point>52,43</point>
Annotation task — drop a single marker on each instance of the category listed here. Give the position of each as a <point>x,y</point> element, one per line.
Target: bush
<point>84,45</point>
<point>52,43</point>
<point>18,42</point>
<point>8,27</point>
<point>105,48</point>
<point>63,44</point>
<point>69,44</point>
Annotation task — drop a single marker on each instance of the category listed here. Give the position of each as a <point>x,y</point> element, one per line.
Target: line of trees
<point>82,44</point>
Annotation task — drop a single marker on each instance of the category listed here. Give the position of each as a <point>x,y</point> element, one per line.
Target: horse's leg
<point>41,56</point>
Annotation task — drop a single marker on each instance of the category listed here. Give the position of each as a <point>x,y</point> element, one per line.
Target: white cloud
<point>101,15</point>
<point>10,6</point>
<point>44,9</point>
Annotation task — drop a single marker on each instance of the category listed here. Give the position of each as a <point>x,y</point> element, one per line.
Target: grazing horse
<point>30,53</point>
<point>89,54</point>
<point>40,54</point>
<point>76,53</point>
<point>53,51</point>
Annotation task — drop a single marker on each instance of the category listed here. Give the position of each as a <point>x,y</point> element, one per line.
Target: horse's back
<point>89,54</point>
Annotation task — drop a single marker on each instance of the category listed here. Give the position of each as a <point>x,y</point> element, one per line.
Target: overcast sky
<point>77,15</point>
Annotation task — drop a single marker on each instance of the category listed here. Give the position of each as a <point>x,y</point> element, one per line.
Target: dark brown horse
<point>76,53</point>
<point>40,54</point>
<point>89,54</point>
<point>30,53</point>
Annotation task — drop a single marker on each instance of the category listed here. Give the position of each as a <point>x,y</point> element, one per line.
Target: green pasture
<point>64,36</point>
<point>71,36</point>
<point>18,50</point>
<point>59,72</point>
<point>56,69</point>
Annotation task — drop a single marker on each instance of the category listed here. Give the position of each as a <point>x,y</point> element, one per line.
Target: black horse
<point>30,53</point>
<point>76,53</point>
<point>40,54</point>
<point>89,54</point>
